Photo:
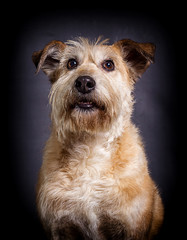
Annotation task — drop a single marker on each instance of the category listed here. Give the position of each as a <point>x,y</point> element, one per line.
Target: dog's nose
<point>85,84</point>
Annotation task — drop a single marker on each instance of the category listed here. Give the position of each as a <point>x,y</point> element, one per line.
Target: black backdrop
<point>155,110</point>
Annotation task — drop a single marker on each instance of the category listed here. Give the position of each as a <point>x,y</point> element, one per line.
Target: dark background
<point>28,111</point>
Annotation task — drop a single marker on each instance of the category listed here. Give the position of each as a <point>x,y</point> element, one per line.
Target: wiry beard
<point>78,113</point>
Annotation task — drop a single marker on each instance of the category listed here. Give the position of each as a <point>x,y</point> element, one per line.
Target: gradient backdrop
<point>28,108</point>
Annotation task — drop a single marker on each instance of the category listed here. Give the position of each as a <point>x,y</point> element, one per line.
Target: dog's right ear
<point>48,59</point>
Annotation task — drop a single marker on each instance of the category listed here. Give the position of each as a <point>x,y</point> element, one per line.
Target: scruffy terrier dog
<point>94,181</point>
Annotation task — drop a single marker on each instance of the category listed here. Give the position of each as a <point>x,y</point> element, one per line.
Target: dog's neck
<point>69,138</point>
<point>85,150</point>
<point>84,143</point>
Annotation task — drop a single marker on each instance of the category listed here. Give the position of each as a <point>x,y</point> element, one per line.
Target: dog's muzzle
<point>85,85</point>
<point>85,99</point>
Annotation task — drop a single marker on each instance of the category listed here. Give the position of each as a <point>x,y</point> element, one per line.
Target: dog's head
<point>92,82</point>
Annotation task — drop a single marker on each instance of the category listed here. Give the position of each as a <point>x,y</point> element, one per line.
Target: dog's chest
<point>86,198</point>
<point>89,188</point>
<point>86,185</point>
<point>88,201</point>
<point>84,193</point>
<point>88,181</point>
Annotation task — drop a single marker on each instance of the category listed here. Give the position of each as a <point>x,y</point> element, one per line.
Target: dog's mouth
<point>87,105</point>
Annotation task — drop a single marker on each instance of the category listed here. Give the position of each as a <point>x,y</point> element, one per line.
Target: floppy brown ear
<point>48,59</point>
<point>138,56</point>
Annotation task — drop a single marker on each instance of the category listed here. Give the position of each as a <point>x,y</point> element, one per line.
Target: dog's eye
<point>108,65</point>
<point>72,63</point>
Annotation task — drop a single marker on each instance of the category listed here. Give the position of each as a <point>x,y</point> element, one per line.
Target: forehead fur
<point>86,50</point>
<point>83,48</point>
<point>80,42</point>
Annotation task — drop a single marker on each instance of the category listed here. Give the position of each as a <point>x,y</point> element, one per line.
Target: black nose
<point>85,84</point>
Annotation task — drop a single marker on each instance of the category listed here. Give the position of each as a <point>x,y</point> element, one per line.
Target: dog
<point>94,182</point>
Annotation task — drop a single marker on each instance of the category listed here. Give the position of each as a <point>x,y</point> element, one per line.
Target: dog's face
<point>92,82</point>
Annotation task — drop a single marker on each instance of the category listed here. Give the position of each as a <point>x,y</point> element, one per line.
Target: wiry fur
<point>94,181</point>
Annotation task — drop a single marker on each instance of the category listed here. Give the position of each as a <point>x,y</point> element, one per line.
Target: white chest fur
<point>81,185</point>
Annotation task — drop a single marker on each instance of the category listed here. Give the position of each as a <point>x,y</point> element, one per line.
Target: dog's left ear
<point>138,56</point>
<point>48,59</point>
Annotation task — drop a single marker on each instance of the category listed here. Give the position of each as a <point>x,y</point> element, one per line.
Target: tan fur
<point>94,181</point>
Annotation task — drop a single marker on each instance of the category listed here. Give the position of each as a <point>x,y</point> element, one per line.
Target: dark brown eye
<point>108,65</point>
<point>72,63</point>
